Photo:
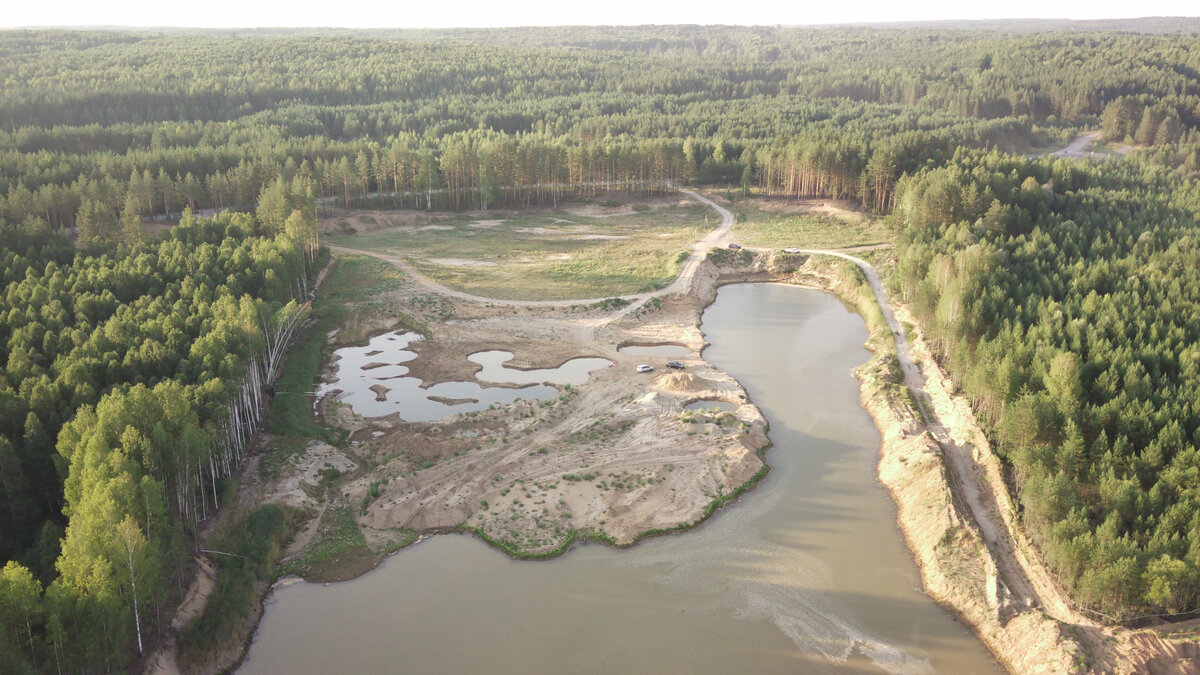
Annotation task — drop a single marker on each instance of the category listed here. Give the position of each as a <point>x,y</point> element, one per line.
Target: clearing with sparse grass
<point>548,255</point>
<point>770,223</point>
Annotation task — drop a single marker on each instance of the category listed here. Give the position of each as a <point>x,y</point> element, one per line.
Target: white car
<point>791,250</point>
<point>645,368</point>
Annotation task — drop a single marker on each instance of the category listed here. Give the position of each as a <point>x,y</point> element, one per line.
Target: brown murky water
<point>807,573</point>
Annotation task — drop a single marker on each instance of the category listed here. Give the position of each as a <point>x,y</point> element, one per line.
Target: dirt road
<point>1079,147</point>
<point>979,483</point>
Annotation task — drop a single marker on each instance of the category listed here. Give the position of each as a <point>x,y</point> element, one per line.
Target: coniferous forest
<point>1061,294</point>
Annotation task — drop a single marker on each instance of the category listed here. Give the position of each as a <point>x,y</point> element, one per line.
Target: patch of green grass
<point>728,256</point>
<point>769,228</point>
<point>548,256</point>
<point>280,452</point>
<point>338,543</point>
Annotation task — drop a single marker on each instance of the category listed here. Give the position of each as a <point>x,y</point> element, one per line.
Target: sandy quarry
<point>615,457</point>
<point>618,457</point>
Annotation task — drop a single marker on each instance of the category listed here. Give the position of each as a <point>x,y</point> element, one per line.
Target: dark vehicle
<point>735,246</point>
<point>675,364</point>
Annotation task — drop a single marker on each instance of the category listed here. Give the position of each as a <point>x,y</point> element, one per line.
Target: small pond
<point>723,406</point>
<point>574,372</point>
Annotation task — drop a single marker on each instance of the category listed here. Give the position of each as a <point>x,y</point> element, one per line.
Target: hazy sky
<point>444,13</point>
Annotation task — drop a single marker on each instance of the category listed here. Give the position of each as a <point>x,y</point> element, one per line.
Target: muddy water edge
<point>807,573</point>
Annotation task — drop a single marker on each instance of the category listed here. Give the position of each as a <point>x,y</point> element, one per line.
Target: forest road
<point>1078,148</point>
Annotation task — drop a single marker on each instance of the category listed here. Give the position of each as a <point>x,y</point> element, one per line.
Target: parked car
<point>645,368</point>
<point>734,246</point>
<point>791,250</point>
<point>675,364</point>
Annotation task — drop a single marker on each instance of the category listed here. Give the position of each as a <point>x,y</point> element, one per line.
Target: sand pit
<point>458,470</point>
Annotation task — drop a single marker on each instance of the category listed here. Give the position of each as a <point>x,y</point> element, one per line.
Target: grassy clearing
<point>339,550</point>
<point>548,255</point>
<point>769,225</point>
<point>337,544</point>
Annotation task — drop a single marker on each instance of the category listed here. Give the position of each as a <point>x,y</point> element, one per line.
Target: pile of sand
<point>685,382</point>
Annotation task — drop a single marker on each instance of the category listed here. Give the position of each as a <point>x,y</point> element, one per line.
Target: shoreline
<point>958,569</point>
<point>705,293</point>
<point>955,567</point>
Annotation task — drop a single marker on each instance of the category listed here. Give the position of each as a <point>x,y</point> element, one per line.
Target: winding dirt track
<point>1078,147</point>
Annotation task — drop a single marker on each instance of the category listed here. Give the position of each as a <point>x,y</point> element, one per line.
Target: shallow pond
<point>723,406</point>
<point>378,364</point>
<point>806,573</point>
<point>574,372</point>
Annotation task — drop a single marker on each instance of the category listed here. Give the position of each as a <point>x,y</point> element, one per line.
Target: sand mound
<point>685,382</point>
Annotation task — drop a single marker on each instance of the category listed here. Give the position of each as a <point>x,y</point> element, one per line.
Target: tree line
<point>135,376</point>
<point>1063,297</point>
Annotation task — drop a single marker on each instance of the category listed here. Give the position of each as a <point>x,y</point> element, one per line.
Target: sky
<point>487,13</point>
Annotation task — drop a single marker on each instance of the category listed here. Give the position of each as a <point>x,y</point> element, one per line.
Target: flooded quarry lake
<point>806,573</point>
